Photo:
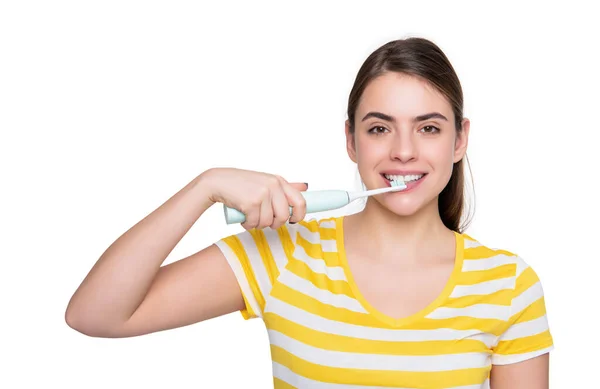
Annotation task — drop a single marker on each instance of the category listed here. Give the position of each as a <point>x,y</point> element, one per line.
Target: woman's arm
<point>530,374</point>
<point>120,281</point>
<point>128,293</point>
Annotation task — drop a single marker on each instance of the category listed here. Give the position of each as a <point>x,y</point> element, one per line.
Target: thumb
<point>301,186</point>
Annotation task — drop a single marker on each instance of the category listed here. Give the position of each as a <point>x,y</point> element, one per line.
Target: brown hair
<point>422,58</point>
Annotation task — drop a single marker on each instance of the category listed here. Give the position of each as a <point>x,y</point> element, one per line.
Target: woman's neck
<point>384,234</point>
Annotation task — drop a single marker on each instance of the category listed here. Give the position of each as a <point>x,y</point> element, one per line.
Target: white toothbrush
<point>322,200</point>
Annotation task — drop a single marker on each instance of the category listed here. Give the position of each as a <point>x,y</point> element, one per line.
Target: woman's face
<point>403,126</point>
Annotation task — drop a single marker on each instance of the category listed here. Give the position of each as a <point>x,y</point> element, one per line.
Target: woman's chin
<point>405,208</point>
<point>404,211</point>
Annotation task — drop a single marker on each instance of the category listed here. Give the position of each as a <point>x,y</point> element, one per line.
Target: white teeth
<point>412,177</point>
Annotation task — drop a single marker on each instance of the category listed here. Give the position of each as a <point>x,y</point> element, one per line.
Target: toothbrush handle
<point>316,201</point>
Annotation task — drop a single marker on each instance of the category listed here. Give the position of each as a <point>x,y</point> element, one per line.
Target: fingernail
<point>306,183</point>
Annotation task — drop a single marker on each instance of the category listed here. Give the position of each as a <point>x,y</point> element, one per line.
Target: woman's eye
<point>430,129</point>
<point>374,130</point>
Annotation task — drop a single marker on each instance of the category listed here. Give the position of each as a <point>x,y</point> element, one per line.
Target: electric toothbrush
<point>322,200</point>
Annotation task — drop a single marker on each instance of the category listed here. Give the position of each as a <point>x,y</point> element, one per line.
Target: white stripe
<point>487,263</point>
<point>276,246</point>
<point>239,275</point>
<point>521,266</point>
<point>312,237</point>
<point>310,320</point>
<point>256,262</point>
<point>471,243</point>
<point>308,288</point>
<point>327,224</point>
<point>482,288</point>
<point>528,297</point>
<point>319,265</point>
<point>499,359</point>
<point>329,246</point>
<point>346,360</point>
<point>528,328</point>
<point>480,311</point>
<point>296,380</point>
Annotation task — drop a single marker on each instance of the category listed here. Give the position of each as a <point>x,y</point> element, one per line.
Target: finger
<point>301,186</point>
<point>253,209</point>
<point>281,208</point>
<point>299,204</point>
<point>296,200</point>
<point>252,216</point>
<point>266,212</point>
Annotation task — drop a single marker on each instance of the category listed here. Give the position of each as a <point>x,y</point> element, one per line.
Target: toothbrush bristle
<point>398,183</point>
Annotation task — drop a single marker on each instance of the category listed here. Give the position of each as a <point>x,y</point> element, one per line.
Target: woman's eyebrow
<point>420,118</point>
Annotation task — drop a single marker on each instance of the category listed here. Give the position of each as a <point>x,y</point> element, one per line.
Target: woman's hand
<point>264,198</point>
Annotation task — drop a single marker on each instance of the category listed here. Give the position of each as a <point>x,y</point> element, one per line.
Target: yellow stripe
<point>524,345</point>
<point>247,313</point>
<point>492,326</point>
<point>535,310</point>
<point>279,384</point>
<point>332,259</point>
<point>310,225</point>
<point>483,252</point>
<point>334,342</point>
<point>422,380</point>
<point>318,308</point>
<point>477,276</point>
<point>327,233</point>
<point>319,280</point>
<point>286,240</point>
<point>525,281</point>
<point>469,237</point>
<point>501,297</point>
<point>236,246</point>
<point>265,254</point>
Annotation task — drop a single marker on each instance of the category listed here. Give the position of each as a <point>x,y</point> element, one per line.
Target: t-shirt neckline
<point>391,321</point>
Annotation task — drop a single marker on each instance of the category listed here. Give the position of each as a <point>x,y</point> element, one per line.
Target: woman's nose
<point>404,147</point>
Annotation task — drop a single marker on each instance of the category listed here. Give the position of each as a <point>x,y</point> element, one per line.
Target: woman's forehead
<point>401,96</point>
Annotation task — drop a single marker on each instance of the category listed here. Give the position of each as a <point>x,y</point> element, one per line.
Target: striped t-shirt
<point>324,335</point>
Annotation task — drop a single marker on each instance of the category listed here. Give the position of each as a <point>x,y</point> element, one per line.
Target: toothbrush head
<point>398,183</point>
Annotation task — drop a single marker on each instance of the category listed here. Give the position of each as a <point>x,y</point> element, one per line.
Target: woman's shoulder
<point>482,256</point>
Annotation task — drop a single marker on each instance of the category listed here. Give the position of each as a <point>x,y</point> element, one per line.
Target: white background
<point>109,108</point>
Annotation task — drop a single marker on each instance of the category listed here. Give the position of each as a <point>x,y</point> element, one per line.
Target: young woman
<point>396,295</point>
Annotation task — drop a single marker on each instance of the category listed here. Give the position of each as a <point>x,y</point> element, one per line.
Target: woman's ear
<point>350,143</point>
<point>462,141</point>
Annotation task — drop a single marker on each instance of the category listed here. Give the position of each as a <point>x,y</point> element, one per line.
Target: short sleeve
<point>257,257</point>
<point>528,333</point>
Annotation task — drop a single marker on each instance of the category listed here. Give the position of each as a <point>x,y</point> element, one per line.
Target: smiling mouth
<point>406,179</point>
